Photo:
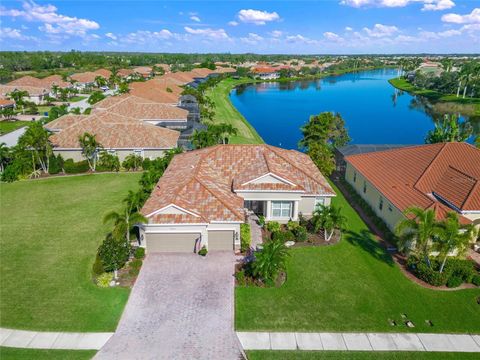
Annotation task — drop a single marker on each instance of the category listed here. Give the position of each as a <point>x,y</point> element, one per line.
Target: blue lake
<point>373,110</point>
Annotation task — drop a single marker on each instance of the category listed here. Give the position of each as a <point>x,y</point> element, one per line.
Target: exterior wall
<point>268,197</point>
<point>76,154</point>
<point>306,206</point>
<point>389,214</point>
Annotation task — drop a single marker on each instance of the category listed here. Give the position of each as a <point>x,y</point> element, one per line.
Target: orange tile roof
<point>103,72</point>
<point>6,102</point>
<point>63,122</point>
<point>7,89</point>
<point>153,92</point>
<point>114,131</point>
<point>46,82</point>
<point>413,176</point>
<point>125,72</point>
<point>143,70</point>
<point>85,77</point>
<point>204,181</point>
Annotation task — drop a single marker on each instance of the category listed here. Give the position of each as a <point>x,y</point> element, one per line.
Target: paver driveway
<point>181,307</point>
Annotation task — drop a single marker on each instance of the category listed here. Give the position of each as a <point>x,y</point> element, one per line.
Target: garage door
<point>220,240</point>
<point>171,242</point>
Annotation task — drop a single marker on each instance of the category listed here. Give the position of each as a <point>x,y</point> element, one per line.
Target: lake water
<point>373,110</point>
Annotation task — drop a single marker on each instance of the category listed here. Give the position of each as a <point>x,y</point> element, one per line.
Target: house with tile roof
<point>118,134</point>
<point>35,94</point>
<point>204,195</point>
<point>444,177</point>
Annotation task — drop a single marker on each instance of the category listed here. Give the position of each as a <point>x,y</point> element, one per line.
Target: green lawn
<point>356,355</point>
<point>50,230</point>
<point>7,353</point>
<point>7,126</point>
<point>227,113</point>
<point>43,109</point>
<point>76,98</point>
<point>352,286</point>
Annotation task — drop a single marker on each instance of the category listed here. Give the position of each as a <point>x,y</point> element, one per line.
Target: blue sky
<point>310,27</point>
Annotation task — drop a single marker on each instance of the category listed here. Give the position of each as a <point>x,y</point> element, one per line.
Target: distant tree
<point>100,81</point>
<point>123,88</point>
<point>95,97</point>
<point>451,129</point>
<point>90,147</point>
<point>8,113</point>
<point>18,96</point>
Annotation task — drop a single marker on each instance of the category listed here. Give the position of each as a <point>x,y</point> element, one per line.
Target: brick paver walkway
<point>181,307</point>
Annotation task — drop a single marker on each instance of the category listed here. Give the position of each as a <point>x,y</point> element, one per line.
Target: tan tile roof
<point>203,181</point>
<point>46,82</point>
<point>143,70</point>
<point>51,80</point>
<point>152,92</point>
<point>6,89</point>
<point>6,102</point>
<point>165,67</point>
<point>114,131</point>
<point>85,77</point>
<point>26,81</point>
<point>103,72</point>
<point>125,72</point>
<point>201,72</point>
<point>64,121</point>
<point>223,70</point>
<point>409,176</point>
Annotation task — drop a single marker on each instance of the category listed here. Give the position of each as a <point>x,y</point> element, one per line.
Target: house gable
<point>172,209</point>
<point>269,178</point>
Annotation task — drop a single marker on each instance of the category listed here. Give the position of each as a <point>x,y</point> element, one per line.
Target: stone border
<point>53,340</point>
<point>359,341</point>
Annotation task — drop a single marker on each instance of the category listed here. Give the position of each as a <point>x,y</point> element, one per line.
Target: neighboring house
<point>119,135</point>
<point>125,73</point>
<point>266,72</point>
<point>6,103</point>
<point>36,94</point>
<point>103,73</point>
<point>144,71</point>
<point>153,92</point>
<point>205,195</point>
<point>85,79</point>
<point>444,177</point>
<point>165,67</point>
<point>354,149</point>
<point>63,122</point>
<point>430,68</point>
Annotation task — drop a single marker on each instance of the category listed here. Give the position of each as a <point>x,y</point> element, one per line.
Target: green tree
<point>322,156</point>
<point>124,222</point>
<point>123,88</point>
<point>113,253</point>
<point>5,156</point>
<point>109,162</point>
<point>270,261</point>
<point>451,129</point>
<point>452,236</point>
<point>90,147</point>
<point>95,97</point>
<point>418,230</point>
<point>8,113</point>
<point>327,128</point>
<point>202,139</point>
<point>100,81</point>
<point>57,111</point>
<point>35,139</point>
<point>328,218</point>
<point>18,96</point>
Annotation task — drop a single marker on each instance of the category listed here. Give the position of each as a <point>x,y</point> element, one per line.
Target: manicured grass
<point>352,286</point>
<point>76,98</point>
<point>357,355</point>
<point>7,353</point>
<point>403,84</point>
<point>7,126</point>
<point>43,109</point>
<point>50,231</point>
<point>225,112</point>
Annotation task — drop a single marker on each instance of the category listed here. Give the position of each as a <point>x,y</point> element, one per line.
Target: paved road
<point>11,139</point>
<point>181,307</point>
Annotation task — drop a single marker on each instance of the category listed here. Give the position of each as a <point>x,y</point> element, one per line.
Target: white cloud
<point>111,36</point>
<point>380,30</point>
<point>257,17</point>
<point>209,33</point>
<point>433,5</point>
<point>276,33</point>
<point>252,39</point>
<point>233,23</point>
<point>53,22</point>
<point>145,36</point>
<point>332,36</point>
<point>472,18</point>
<point>300,39</point>
<point>195,18</point>
<point>14,34</point>
<point>348,28</point>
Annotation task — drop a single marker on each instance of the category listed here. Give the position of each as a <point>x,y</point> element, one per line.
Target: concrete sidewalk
<point>52,340</point>
<point>359,341</point>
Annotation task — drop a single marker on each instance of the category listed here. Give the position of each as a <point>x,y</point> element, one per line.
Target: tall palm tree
<point>328,218</point>
<point>90,147</point>
<point>134,201</point>
<point>451,129</point>
<point>124,222</point>
<point>452,236</point>
<point>100,81</point>
<point>418,229</point>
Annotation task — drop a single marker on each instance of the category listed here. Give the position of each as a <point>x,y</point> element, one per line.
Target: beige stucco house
<point>444,177</point>
<point>204,195</point>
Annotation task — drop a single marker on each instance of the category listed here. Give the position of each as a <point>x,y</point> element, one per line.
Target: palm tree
<point>36,139</point>
<point>124,222</point>
<point>328,218</point>
<point>134,201</point>
<point>100,81</point>
<point>90,147</point>
<point>55,89</point>
<point>451,129</point>
<point>419,227</point>
<point>270,260</point>
<point>17,96</point>
<point>202,139</point>
<point>223,131</point>
<point>4,156</point>
<point>452,236</point>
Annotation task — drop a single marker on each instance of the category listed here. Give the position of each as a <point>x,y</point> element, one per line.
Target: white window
<point>319,201</point>
<point>282,209</point>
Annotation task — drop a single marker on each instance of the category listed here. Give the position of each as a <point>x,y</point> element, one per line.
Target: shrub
<point>240,276</point>
<point>245,237</point>
<point>429,275</point>
<point>300,234</point>
<point>133,271</point>
<point>132,162</point>
<point>270,261</point>
<point>461,268</point>
<point>113,253</point>
<point>109,162</point>
<point>283,236</point>
<point>97,267</point>
<point>454,281</point>
<point>72,167</point>
<point>261,220</point>
<point>104,280</point>
<point>139,253</point>
<point>292,225</point>
<point>273,226</point>
<point>56,164</point>
<point>476,280</point>
<point>136,264</point>
<point>203,251</point>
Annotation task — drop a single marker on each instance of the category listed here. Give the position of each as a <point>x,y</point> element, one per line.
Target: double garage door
<point>186,242</point>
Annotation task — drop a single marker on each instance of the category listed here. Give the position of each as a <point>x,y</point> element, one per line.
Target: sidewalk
<point>359,341</point>
<point>52,340</point>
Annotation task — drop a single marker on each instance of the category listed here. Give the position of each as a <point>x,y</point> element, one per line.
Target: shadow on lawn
<point>364,239</point>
